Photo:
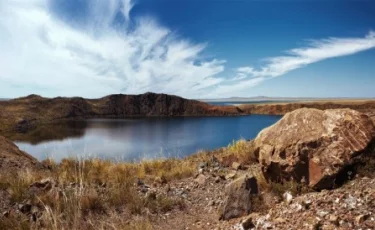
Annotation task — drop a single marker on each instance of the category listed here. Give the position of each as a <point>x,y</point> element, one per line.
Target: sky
<point>191,48</point>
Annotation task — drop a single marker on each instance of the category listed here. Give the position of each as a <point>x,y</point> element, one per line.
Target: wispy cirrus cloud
<point>40,52</point>
<point>50,55</point>
<point>315,51</point>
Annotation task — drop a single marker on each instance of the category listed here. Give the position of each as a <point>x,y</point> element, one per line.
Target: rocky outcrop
<point>23,114</point>
<point>313,146</point>
<point>13,159</point>
<point>239,195</point>
<point>349,207</point>
<point>151,104</point>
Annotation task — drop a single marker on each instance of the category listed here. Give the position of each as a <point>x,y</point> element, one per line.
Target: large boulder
<point>12,159</point>
<point>313,146</point>
<point>239,197</point>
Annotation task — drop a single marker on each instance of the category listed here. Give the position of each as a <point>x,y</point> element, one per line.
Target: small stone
<point>321,213</point>
<point>34,210</point>
<point>351,202</point>
<point>236,165</point>
<point>201,179</point>
<point>317,226</point>
<point>230,175</point>
<point>248,223</point>
<point>6,213</point>
<point>299,207</point>
<point>360,218</point>
<point>288,197</point>
<point>202,165</point>
<point>279,220</point>
<point>334,219</point>
<point>239,194</point>
<point>44,185</point>
<point>217,179</point>
<point>307,204</point>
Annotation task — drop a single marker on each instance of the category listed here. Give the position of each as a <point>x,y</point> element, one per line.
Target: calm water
<point>246,102</point>
<point>135,139</point>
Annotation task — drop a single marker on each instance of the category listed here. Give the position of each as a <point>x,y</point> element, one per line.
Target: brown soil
<point>13,159</point>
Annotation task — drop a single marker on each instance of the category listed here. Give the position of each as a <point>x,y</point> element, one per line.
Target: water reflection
<point>135,139</point>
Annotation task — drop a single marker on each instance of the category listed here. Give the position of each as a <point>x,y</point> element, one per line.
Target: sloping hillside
<point>23,114</point>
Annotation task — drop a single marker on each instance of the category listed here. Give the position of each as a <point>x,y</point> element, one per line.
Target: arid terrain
<point>313,169</point>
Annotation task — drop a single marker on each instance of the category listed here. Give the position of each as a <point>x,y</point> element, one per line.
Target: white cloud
<point>318,50</point>
<point>43,54</point>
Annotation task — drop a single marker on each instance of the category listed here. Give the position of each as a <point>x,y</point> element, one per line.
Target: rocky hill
<point>22,114</point>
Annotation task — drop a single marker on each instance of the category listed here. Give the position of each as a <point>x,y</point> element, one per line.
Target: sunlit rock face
<point>313,146</point>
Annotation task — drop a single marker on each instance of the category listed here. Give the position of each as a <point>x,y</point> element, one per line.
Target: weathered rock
<point>334,219</point>
<point>313,146</point>
<point>202,165</point>
<point>201,179</point>
<point>238,197</point>
<point>231,175</point>
<point>250,221</point>
<point>44,185</point>
<point>236,165</point>
<point>360,218</point>
<point>288,197</point>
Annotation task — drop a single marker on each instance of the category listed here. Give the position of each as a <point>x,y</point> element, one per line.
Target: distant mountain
<point>276,99</point>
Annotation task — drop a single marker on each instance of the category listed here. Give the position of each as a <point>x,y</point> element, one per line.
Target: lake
<point>248,102</point>
<point>137,139</point>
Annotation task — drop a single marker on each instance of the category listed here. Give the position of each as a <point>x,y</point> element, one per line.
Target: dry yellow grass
<point>86,188</point>
<point>91,188</point>
<point>242,149</point>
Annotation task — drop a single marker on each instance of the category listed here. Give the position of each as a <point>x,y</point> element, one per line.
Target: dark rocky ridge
<point>23,114</point>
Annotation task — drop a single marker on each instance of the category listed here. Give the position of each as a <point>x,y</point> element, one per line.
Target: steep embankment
<point>25,113</point>
<point>12,159</point>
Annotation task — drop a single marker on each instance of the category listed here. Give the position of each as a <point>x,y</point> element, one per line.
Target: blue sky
<point>192,48</point>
